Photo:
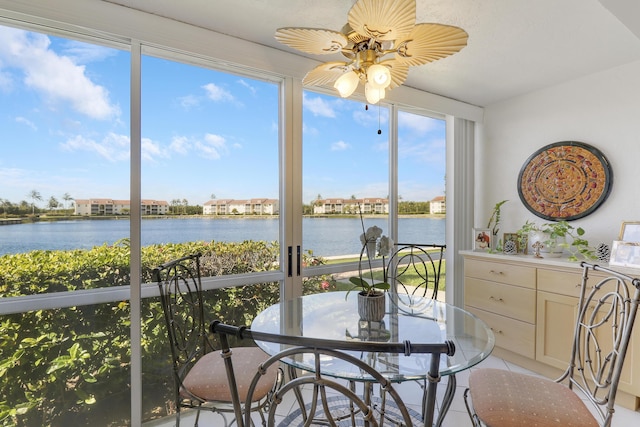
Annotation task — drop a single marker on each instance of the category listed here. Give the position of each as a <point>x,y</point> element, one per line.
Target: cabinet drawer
<point>565,282</point>
<point>511,301</point>
<point>560,282</point>
<point>501,272</point>
<point>513,335</point>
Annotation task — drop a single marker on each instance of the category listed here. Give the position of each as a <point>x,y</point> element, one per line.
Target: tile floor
<point>411,393</point>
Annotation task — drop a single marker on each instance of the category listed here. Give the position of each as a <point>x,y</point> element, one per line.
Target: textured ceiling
<point>515,46</point>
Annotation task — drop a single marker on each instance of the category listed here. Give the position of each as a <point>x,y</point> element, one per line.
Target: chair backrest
<point>182,304</point>
<point>312,351</point>
<point>606,315</point>
<point>414,269</point>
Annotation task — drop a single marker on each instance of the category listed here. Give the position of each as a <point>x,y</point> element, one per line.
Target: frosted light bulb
<point>347,84</point>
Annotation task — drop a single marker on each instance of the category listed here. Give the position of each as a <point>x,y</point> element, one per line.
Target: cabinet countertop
<point>544,262</point>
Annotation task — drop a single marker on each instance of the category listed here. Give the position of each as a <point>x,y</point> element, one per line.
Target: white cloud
<point>244,83</point>
<point>113,147</point>
<point>213,146</point>
<point>180,144</point>
<point>26,122</point>
<point>6,82</point>
<point>216,93</point>
<point>309,130</point>
<point>339,146</point>
<point>417,123</point>
<point>57,77</point>
<point>150,150</point>
<point>430,151</point>
<point>189,101</point>
<point>318,106</point>
<point>84,52</point>
<point>375,116</point>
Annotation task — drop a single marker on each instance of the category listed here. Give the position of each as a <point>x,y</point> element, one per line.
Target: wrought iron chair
<point>198,369</point>
<point>606,315</point>
<point>414,269</point>
<point>308,354</point>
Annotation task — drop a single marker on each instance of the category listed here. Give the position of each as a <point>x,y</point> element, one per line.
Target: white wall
<point>602,110</point>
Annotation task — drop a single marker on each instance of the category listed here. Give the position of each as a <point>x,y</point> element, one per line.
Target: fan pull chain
<point>366,108</point>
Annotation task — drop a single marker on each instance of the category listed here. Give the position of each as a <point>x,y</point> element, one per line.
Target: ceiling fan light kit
<point>380,42</point>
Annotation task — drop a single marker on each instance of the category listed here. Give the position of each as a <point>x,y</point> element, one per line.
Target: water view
<point>325,236</point>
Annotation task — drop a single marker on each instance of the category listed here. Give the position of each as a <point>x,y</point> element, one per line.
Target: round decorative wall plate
<point>565,181</point>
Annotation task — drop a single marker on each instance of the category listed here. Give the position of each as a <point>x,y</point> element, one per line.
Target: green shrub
<point>71,366</point>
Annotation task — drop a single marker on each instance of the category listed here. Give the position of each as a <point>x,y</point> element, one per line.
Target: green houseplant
<point>494,224</point>
<point>560,236</point>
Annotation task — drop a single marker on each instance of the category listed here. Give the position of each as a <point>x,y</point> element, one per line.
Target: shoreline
<point>45,218</point>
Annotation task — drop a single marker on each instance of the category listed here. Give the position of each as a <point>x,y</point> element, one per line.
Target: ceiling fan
<point>380,42</point>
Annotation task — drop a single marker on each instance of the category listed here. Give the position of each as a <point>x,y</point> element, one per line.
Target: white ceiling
<point>515,46</point>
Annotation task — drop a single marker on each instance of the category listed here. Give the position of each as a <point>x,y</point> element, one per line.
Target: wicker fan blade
<point>383,19</point>
<point>399,72</point>
<point>312,40</point>
<point>430,42</point>
<point>326,73</point>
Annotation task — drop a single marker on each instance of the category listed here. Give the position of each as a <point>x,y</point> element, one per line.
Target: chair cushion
<point>207,379</point>
<point>504,398</point>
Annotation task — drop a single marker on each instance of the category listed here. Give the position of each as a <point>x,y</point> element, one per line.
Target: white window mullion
<point>136,237</point>
<point>291,188</point>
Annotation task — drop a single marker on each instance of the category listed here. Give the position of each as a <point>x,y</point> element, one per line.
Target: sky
<point>65,126</point>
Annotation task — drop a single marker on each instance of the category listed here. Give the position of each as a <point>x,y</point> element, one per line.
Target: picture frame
<point>630,231</point>
<point>515,238</point>
<point>482,239</point>
<point>625,254</point>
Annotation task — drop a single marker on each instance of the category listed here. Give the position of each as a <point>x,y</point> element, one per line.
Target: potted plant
<point>371,299</point>
<point>558,236</point>
<point>494,223</point>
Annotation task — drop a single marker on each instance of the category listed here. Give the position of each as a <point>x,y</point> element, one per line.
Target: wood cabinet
<point>531,305</point>
<point>504,296</point>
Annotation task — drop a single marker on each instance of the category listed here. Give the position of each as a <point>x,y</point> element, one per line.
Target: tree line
<point>24,207</point>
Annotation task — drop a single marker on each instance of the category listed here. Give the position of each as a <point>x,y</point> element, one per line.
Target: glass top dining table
<point>334,315</point>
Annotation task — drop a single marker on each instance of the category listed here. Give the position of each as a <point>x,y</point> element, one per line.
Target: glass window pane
<point>209,156</point>
<point>66,148</point>
<point>345,168</point>
<point>421,179</point>
<point>66,367</point>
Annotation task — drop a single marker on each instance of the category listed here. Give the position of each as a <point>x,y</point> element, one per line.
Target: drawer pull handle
<point>496,272</point>
<point>496,299</point>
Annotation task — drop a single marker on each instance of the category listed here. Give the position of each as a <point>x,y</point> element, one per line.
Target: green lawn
<point>410,277</point>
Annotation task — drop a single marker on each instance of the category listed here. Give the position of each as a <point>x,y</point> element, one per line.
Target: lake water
<point>325,236</point>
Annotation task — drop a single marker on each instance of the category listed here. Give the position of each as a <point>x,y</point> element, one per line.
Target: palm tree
<point>53,203</point>
<point>34,195</point>
<point>66,197</point>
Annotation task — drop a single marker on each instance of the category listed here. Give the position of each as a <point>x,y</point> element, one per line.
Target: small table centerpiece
<point>371,297</point>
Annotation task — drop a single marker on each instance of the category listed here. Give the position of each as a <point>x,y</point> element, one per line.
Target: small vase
<point>371,307</point>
